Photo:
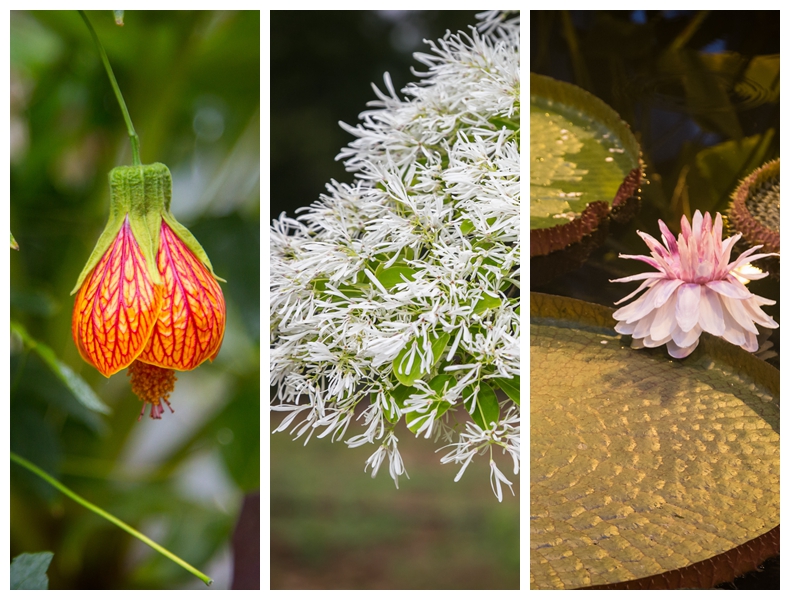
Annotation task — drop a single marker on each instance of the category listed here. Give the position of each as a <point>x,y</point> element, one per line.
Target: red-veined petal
<point>116,307</point>
<point>192,321</point>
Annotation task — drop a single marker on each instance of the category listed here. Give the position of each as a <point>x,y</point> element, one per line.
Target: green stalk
<point>129,127</point>
<point>112,519</point>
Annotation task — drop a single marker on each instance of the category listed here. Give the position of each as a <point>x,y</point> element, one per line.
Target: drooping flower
<point>696,289</point>
<point>148,297</point>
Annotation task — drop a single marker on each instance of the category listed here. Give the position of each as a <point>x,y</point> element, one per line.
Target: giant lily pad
<point>584,168</point>
<point>645,468</point>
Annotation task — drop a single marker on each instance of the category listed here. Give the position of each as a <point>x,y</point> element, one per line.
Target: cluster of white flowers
<point>397,296</point>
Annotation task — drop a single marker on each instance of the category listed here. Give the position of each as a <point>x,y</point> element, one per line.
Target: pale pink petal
<point>643,325</point>
<point>646,259</point>
<point>665,289</point>
<point>685,228</point>
<point>717,232</point>
<point>625,328</point>
<point>726,249</point>
<point>687,306</point>
<point>651,342</point>
<point>738,311</point>
<point>637,277</point>
<point>642,286</point>
<point>664,320</point>
<point>751,344</point>
<point>676,351</point>
<point>752,276</point>
<point>696,224</point>
<point>733,332</point>
<point>684,339</point>
<point>711,318</point>
<point>756,313</point>
<point>653,244</point>
<point>669,239</point>
<point>638,308</point>
<point>729,288</point>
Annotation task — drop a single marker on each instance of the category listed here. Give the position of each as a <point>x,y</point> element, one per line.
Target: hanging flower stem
<point>129,127</point>
<point>112,519</point>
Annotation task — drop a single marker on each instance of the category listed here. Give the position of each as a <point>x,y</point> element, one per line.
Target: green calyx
<point>142,193</point>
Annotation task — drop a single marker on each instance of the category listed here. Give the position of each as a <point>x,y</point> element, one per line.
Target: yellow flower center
<point>153,385</point>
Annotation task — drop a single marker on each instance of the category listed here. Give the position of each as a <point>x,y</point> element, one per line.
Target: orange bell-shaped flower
<point>148,297</point>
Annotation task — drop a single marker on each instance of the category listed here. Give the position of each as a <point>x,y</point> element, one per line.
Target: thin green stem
<point>112,519</point>
<point>129,127</point>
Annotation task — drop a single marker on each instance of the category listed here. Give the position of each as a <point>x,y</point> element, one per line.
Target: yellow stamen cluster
<point>153,385</point>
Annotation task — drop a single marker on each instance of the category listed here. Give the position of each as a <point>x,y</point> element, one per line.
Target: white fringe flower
<point>396,297</point>
<point>696,289</point>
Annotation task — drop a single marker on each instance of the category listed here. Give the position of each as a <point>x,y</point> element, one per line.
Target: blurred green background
<point>332,526</point>
<point>191,82</point>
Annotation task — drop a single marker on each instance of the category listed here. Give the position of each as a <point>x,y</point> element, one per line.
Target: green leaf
<point>389,277</point>
<point>486,408</point>
<point>14,245</point>
<point>78,386</point>
<point>407,378</point>
<point>512,387</point>
<point>29,571</point>
<point>718,169</point>
<point>414,420</point>
<point>486,301</point>
<point>466,226</point>
<point>397,397</point>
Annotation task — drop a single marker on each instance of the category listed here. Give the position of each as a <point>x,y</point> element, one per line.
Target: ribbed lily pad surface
<point>641,464</point>
<point>577,153</point>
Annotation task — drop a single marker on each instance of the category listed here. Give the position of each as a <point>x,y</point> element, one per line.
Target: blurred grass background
<point>332,526</point>
<point>191,83</point>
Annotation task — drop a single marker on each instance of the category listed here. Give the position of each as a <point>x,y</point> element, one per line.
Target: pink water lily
<point>694,290</point>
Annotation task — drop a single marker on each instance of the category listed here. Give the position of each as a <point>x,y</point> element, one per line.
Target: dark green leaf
<point>407,378</point>
<point>512,387</point>
<point>486,408</point>
<point>78,386</point>
<point>414,420</point>
<point>29,571</point>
